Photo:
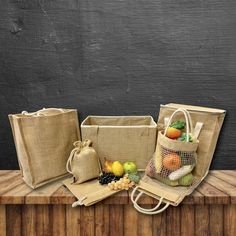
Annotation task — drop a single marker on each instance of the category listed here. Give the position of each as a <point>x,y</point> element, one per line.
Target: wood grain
<point>116,215</point>
<point>14,219</point>
<point>187,220</point>
<point>58,220</point>
<point>159,224</point>
<point>229,220</point>
<point>145,223</point>
<point>130,221</point>
<point>173,221</point>
<point>87,224</point>
<point>216,221</point>
<point>3,220</point>
<point>28,220</point>
<point>102,220</point>
<point>73,220</point>
<point>201,220</point>
<point>44,220</point>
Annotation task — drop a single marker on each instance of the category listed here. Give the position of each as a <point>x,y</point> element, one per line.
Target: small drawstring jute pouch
<point>83,162</point>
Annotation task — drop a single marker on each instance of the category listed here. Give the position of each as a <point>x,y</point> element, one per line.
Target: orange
<point>172,161</point>
<point>173,133</point>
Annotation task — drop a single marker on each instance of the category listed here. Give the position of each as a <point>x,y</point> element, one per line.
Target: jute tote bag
<point>123,138</point>
<point>43,141</point>
<point>210,122</point>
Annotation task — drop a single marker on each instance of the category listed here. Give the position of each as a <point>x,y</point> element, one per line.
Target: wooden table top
<point>219,187</point>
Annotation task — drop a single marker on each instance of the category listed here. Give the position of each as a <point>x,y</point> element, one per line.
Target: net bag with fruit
<point>175,155</point>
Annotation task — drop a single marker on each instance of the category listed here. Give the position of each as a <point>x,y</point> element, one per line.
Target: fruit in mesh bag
<point>150,169</point>
<point>184,170</point>
<point>186,180</point>
<point>172,161</point>
<point>174,131</point>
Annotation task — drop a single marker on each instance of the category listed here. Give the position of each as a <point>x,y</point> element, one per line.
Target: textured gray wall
<point>117,58</point>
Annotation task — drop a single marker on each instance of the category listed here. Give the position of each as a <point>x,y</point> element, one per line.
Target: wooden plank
<point>213,195</point>
<point>4,172</point>
<point>229,172</point>
<point>43,194</point>
<point>222,186</point>
<point>187,220</point>
<point>3,220</point>
<point>145,226</point>
<point>116,220</point>
<point>216,220</point>
<point>13,216</point>
<point>28,219</point>
<point>15,195</point>
<point>87,223</point>
<point>130,221</point>
<point>102,220</point>
<point>62,196</point>
<point>44,220</point>
<point>6,176</point>
<point>229,220</point>
<point>58,220</point>
<point>201,220</point>
<point>118,198</point>
<point>73,220</point>
<point>173,221</point>
<point>10,181</point>
<point>194,198</point>
<point>159,224</point>
<point>225,176</point>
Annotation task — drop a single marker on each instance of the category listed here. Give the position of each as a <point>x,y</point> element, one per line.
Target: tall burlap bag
<point>123,138</point>
<point>83,162</point>
<point>43,141</point>
<point>211,121</point>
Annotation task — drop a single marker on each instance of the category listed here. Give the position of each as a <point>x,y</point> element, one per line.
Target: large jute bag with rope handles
<point>44,140</point>
<point>204,125</point>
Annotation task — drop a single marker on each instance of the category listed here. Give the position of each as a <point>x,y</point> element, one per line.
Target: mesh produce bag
<point>175,159</point>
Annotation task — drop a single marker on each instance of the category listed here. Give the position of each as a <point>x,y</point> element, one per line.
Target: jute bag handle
<point>157,209</point>
<point>41,112</point>
<point>151,211</point>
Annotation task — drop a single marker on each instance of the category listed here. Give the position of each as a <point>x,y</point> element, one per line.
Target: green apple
<point>130,167</point>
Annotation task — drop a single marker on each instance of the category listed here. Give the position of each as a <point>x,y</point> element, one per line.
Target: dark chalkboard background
<point>117,58</point>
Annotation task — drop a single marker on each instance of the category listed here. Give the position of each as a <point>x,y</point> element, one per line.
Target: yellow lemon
<point>117,168</point>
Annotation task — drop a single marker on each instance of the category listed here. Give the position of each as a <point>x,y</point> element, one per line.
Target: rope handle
<point>152,211</point>
<point>188,120</point>
<point>41,111</point>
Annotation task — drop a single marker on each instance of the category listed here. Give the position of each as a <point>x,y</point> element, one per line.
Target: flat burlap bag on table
<point>83,162</point>
<point>123,138</point>
<point>88,193</point>
<point>43,141</point>
<point>211,121</point>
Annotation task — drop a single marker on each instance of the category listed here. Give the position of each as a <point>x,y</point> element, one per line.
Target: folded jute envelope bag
<point>43,141</point>
<point>207,124</point>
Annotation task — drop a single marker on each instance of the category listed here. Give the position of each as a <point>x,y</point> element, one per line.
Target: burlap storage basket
<point>43,141</point>
<point>174,159</point>
<point>211,121</point>
<point>83,162</point>
<point>121,138</point>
